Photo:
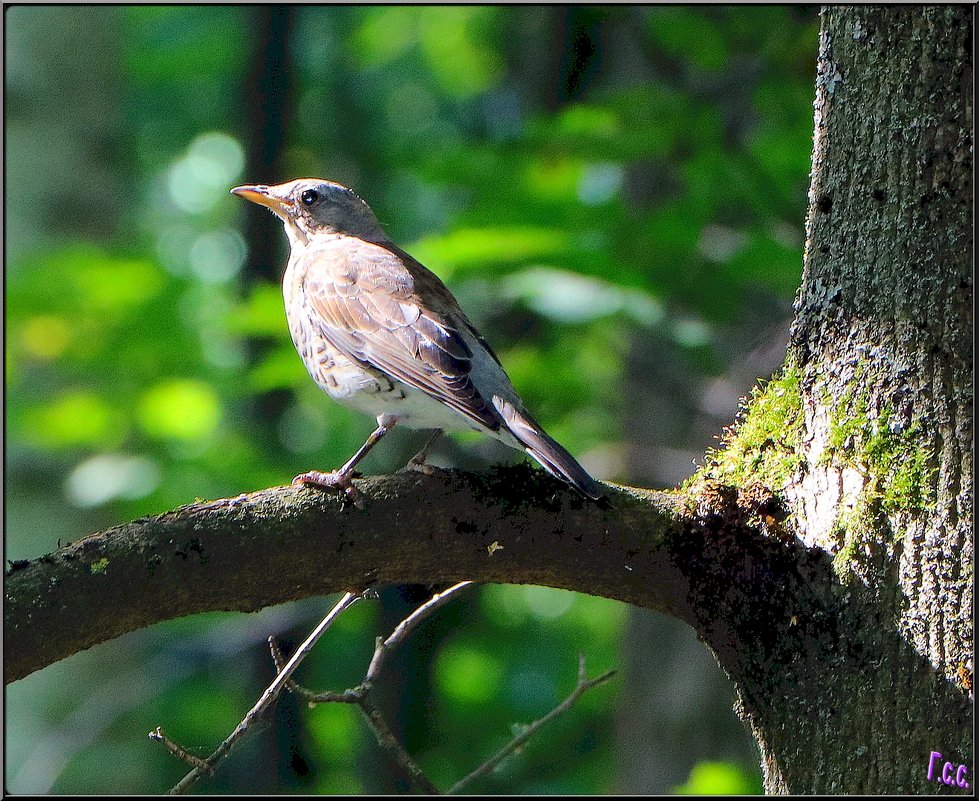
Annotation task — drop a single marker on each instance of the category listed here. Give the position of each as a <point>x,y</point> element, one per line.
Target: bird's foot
<point>418,461</point>
<point>334,480</point>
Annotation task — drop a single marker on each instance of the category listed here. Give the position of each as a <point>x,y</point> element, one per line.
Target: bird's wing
<point>368,304</point>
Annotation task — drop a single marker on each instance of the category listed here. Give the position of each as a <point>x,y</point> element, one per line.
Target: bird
<point>380,333</point>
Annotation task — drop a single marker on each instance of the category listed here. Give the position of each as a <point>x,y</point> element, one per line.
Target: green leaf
<point>475,247</point>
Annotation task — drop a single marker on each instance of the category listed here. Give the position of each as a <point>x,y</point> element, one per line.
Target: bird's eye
<point>309,197</point>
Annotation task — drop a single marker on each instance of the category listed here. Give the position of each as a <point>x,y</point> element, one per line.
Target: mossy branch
<point>513,525</point>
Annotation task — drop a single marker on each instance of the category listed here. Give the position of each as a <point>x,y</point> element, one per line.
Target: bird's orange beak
<point>264,196</point>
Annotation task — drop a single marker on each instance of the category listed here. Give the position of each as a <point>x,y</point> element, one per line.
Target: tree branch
<point>361,694</point>
<point>282,544</point>
<point>584,685</point>
<point>203,767</point>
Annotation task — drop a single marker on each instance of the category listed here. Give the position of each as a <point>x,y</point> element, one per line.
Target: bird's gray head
<point>310,206</point>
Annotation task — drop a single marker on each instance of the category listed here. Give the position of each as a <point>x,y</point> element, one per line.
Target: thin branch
<point>207,766</point>
<point>179,751</point>
<point>381,650</point>
<point>406,626</point>
<point>584,685</point>
<point>351,696</point>
<point>391,744</point>
<point>360,694</point>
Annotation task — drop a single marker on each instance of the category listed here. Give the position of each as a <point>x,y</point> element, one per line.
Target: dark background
<point>616,196</point>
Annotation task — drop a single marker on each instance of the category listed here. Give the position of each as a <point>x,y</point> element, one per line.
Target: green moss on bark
<point>897,472</point>
<point>896,468</point>
<point>763,445</point>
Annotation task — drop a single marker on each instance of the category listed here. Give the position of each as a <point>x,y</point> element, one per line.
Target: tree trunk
<point>866,664</point>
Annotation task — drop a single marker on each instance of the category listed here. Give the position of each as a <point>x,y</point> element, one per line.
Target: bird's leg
<point>417,462</point>
<point>342,479</point>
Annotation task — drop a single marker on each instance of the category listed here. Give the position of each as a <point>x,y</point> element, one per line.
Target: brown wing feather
<point>368,305</point>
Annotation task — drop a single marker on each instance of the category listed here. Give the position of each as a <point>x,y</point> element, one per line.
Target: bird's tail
<point>551,455</point>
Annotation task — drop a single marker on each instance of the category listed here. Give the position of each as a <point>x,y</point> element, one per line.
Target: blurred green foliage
<point>573,214</point>
<point>719,778</point>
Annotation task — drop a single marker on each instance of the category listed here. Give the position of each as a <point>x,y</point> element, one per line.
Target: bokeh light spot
<point>217,256</point>
<point>201,177</point>
<point>76,418</point>
<point>184,409</point>
<point>547,603</point>
<point>45,336</point>
<point>108,476</point>
<point>468,674</point>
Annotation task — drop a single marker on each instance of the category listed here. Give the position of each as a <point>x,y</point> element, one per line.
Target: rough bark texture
<point>885,312</point>
<point>283,544</point>
<point>871,669</point>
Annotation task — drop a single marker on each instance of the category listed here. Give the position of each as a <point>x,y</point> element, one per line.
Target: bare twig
<point>391,744</point>
<point>381,650</point>
<point>351,696</point>
<point>263,704</point>
<point>178,751</point>
<point>405,627</point>
<point>584,685</point>
<point>360,694</point>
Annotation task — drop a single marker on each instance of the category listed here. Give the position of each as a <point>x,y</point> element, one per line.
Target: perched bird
<point>383,335</point>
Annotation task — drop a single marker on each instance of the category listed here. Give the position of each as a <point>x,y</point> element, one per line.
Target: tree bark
<point>283,544</point>
<point>853,690</point>
<point>825,553</point>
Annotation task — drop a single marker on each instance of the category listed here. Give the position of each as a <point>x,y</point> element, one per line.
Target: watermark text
<point>948,772</point>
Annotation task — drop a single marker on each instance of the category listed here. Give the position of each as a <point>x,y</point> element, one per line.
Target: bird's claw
<point>333,480</point>
<point>418,461</point>
<point>418,464</point>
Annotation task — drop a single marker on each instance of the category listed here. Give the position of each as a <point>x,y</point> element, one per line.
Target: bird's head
<point>310,206</point>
